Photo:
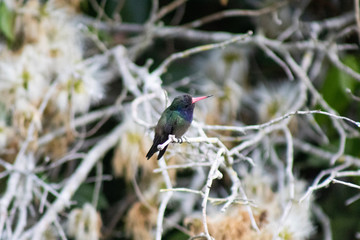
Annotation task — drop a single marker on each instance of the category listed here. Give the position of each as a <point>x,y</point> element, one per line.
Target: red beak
<point>194,100</point>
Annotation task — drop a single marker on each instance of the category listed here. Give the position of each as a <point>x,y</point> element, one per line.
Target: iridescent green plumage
<point>175,120</point>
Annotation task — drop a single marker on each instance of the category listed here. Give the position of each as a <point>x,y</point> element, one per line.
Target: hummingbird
<point>175,120</point>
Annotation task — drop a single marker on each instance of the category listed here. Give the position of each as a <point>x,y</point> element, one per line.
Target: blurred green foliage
<point>7,21</point>
<point>132,11</point>
<point>336,83</point>
<point>85,193</point>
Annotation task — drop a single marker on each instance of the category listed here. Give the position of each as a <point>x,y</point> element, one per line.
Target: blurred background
<point>83,83</point>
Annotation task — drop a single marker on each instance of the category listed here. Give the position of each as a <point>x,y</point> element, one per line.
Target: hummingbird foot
<point>171,139</point>
<point>174,139</point>
<point>182,139</point>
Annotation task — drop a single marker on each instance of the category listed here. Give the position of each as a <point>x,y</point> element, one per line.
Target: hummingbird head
<point>185,102</point>
<point>185,105</point>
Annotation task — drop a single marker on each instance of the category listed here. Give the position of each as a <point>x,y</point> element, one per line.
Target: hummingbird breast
<point>181,128</point>
<point>183,122</point>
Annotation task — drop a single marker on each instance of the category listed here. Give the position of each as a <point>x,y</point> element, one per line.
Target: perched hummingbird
<point>175,120</point>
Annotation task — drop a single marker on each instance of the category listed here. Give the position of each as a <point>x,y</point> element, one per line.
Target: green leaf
<point>7,20</point>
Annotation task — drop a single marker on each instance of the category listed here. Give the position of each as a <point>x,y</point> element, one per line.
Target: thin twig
<point>330,111</point>
<point>99,9</point>
<point>290,162</point>
<point>153,12</point>
<point>248,208</point>
<point>120,54</point>
<point>352,199</point>
<point>234,13</point>
<point>346,183</point>
<point>277,59</point>
<point>356,98</point>
<point>168,8</point>
<point>317,185</point>
<point>98,182</point>
<point>187,165</point>
<point>135,105</point>
<point>324,220</point>
<point>81,121</point>
<point>212,199</point>
<point>165,64</point>
<point>277,120</point>
<point>234,188</point>
<point>334,58</point>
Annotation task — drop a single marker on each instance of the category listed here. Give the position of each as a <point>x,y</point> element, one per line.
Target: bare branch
<point>325,222</point>
<point>234,13</point>
<point>81,121</point>
<point>213,174</point>
<point>73,183</point>
<point>168,8</point>
<point>165,64</point>
<point>164,202</point>
<point>334,58</point>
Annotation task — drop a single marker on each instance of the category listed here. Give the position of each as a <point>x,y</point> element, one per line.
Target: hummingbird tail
<point>154,148</point>
<point>161,153</point>
<point>151,152</point>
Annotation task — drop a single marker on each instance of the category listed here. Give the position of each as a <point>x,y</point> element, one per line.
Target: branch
<point>21,160</point>
<point>74,183</point>
<point>188,165</point>
<point>168,8</point>
<point>335,23</point>
<point>290,162</point>
<point>236,188</point>
<point>165,200</point>
<point>277,120</point>
<point>213,174</point>
<point>346,183</point>
<point>81,121</point>
<point>339,128</point>
<point>215,36</point>
<point>165,64</point>
<point>276,59</point>
<point>135,105</point>
<point>211,199</point>
<point>234,13</point>
<point>324,220</point>
<point>120,54</point>
<point>355,98</point>
<point>173,139</point>
<point>317,185</point>
<point>334,58</point>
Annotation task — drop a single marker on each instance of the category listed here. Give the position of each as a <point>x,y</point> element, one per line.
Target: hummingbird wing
<point>175,124</point>
<point>166,125</point>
